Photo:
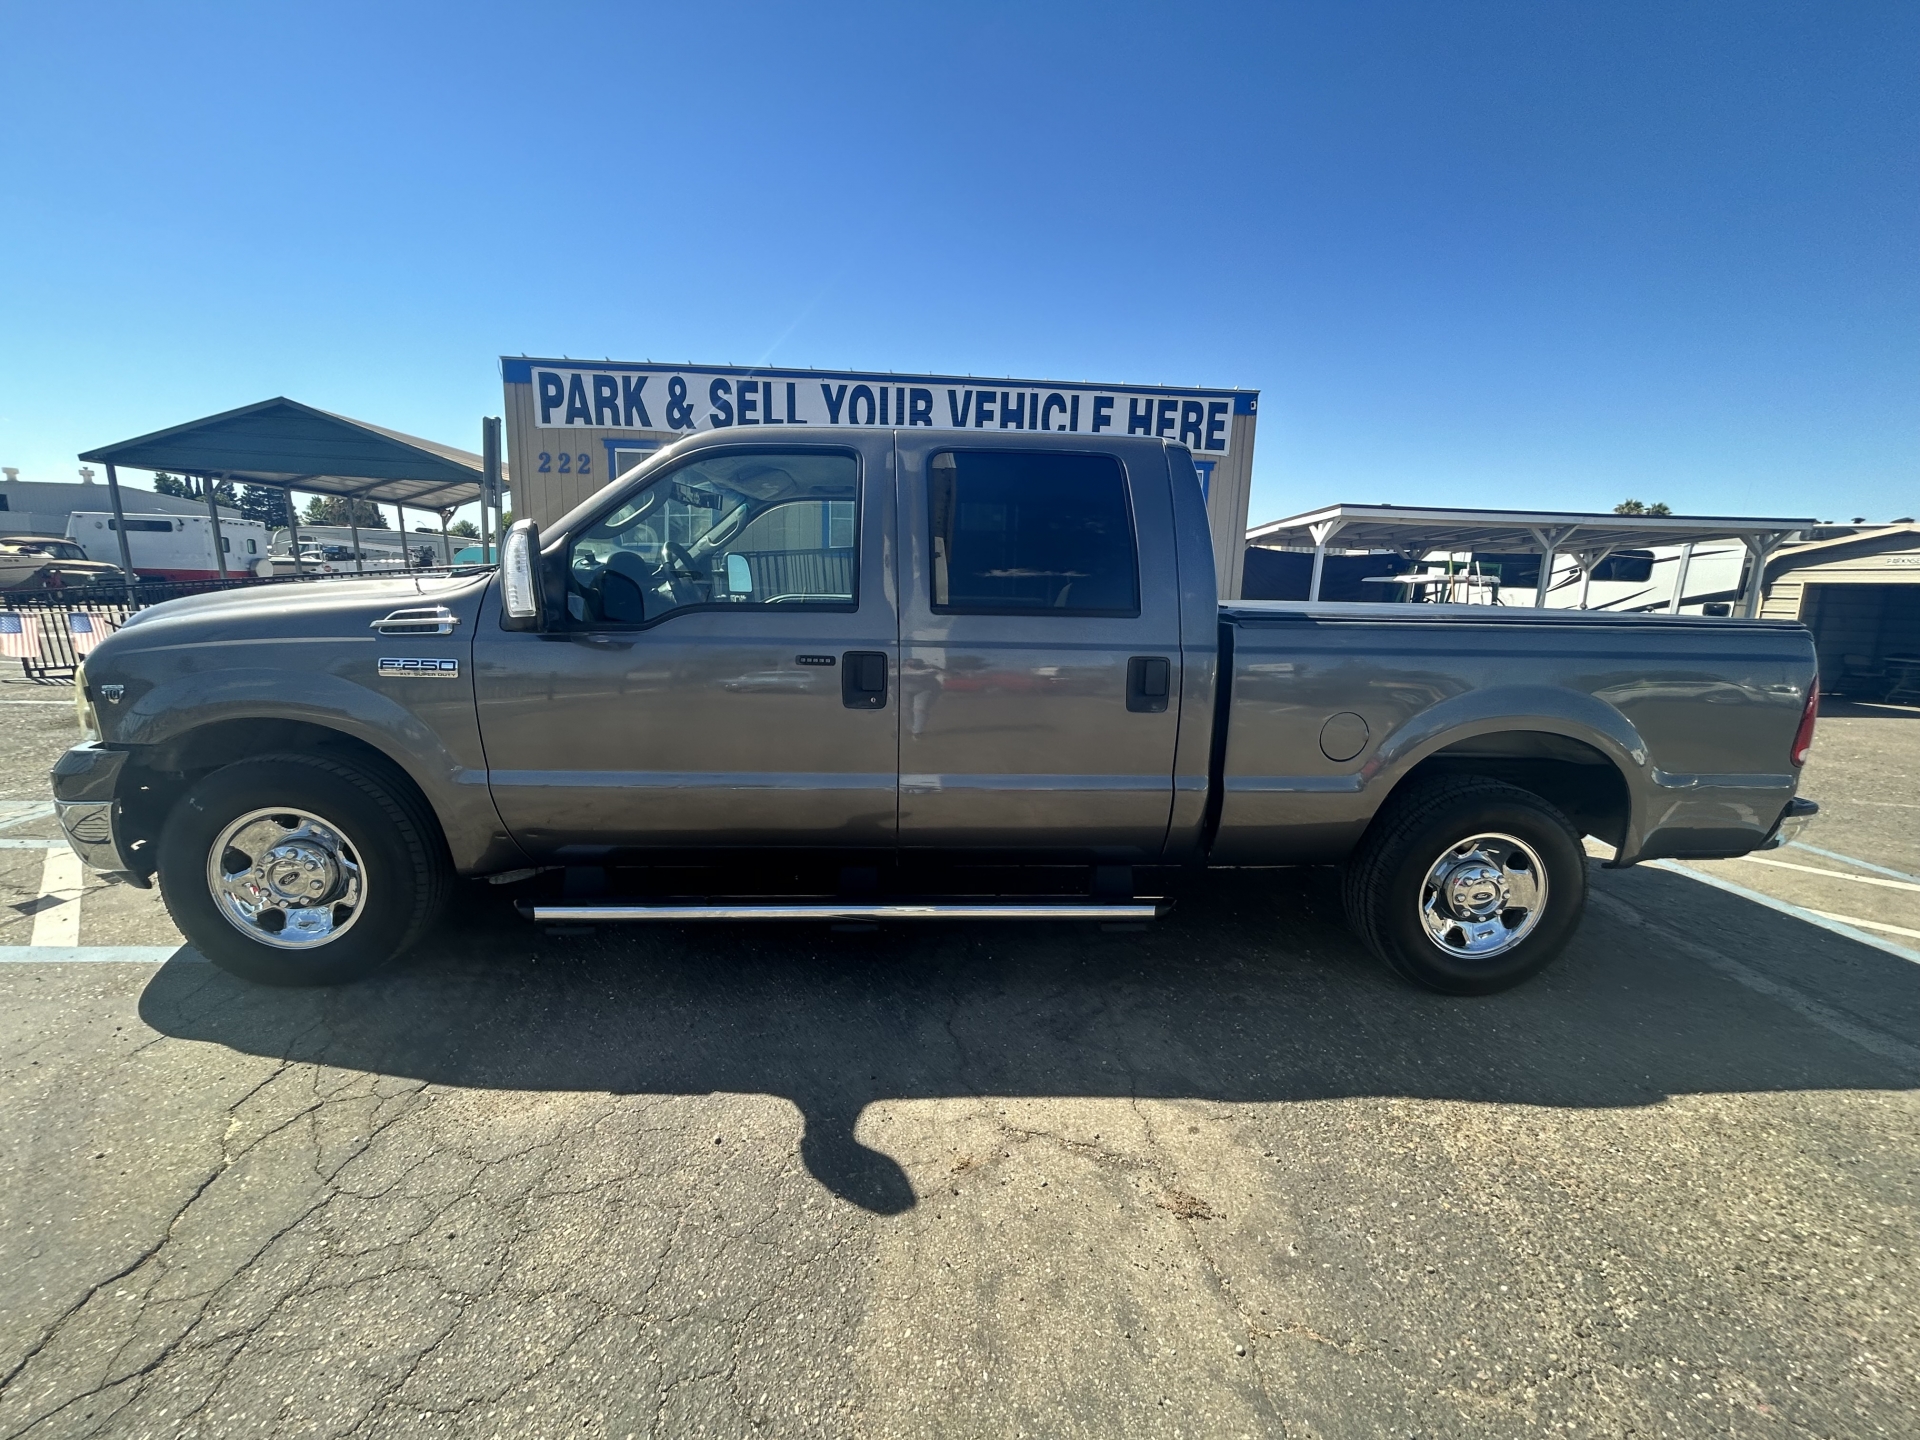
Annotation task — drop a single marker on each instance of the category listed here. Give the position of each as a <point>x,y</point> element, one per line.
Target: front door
<point>1040,647</point>
<point>724,672</point>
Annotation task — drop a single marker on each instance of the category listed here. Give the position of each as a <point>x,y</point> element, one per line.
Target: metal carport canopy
<point>282,442</point>
<point>1399,527</point>
<point>1587,536</point>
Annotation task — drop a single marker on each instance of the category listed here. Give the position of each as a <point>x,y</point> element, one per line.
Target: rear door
<point>724,675</point>
<point>1040,647</point>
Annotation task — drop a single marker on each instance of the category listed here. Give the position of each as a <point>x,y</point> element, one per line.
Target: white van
<point>172,547</point>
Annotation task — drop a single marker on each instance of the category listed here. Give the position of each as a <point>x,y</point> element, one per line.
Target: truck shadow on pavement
<point>1253,991</point>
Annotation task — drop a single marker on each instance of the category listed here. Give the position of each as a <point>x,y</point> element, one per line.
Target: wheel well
<point>158,775</point>
<point>1575,776</point>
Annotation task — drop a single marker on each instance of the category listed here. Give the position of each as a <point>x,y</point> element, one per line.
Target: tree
<point>1635,507</point>
<point>465,529</point>
<point>265,503</point>
<point>186,487</point>
<point>333,510</point>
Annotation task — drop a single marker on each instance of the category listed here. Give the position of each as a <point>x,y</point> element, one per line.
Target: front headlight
<point>82,706</point>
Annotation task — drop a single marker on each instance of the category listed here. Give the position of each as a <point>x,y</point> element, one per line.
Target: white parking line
<point>19,812</point>
<point>1785,908</point>
<point>1868,924</point>
<point>62,879</point>
<point>97,954</point>
<point>1890,873</point>
<point>1867,1038</point>
<point>1831,874</point>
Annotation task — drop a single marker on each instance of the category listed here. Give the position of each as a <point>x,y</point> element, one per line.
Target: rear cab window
<point>1042,533</point>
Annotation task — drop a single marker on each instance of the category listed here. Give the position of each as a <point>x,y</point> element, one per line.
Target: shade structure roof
<point>1422,528</point>
<point>282,442</point>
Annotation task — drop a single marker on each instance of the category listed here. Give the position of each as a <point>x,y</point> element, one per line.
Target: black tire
<point>1385,881</point>
<point>394,838</point>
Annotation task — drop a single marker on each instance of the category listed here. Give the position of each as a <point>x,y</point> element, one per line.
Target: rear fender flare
<point>1539,708</point>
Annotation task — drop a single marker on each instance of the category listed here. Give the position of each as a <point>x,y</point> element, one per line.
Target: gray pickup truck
<point>904,675</point>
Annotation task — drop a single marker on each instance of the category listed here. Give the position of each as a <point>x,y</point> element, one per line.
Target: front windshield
<point>755,529</point>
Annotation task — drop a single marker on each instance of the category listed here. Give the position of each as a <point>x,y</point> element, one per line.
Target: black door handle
<point>863,679</point>
<point>1149,681</point>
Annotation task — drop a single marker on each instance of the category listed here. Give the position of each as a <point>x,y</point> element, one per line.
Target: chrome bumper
<point>85,784</point>
<point>1793,823</point>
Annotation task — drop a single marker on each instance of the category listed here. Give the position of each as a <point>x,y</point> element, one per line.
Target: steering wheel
<point>679,574</point>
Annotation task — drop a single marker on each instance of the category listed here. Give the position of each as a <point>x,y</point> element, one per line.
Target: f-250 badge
<point>413,667</point>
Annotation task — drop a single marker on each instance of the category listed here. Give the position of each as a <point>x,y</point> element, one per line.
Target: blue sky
<point>1533,254</point>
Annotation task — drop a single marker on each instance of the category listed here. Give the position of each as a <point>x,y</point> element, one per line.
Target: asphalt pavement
<point>1224,1177</point>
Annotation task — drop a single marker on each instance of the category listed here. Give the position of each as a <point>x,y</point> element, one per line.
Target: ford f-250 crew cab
<point>894,675</point>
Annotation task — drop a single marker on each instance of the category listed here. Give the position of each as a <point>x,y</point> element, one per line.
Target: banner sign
<point>571,395</point>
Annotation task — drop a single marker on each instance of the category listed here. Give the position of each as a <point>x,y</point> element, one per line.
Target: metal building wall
<point>1227,500</point>
<point>545,497</point>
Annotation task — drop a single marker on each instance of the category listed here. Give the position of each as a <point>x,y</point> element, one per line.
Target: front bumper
<point>86,782</point>
<point>1793,823</point>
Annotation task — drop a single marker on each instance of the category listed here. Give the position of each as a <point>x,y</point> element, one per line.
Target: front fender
<point>431,734</point>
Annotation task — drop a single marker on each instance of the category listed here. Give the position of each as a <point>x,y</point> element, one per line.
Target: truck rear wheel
<point>301,869</point>
<point>1467,885</point>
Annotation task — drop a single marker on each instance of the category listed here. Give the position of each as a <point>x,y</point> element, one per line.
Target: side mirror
<point>739,575</point>
<point>522,606</point>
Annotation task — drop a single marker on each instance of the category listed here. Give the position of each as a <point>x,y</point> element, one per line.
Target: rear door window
<point>1042,534</point>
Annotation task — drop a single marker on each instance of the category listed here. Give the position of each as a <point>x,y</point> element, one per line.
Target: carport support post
<point>489,482</point>
<point>1588,562</point>
<point>213,517</point>
<point>1680,580</point>
<point>446,545</point>
<point>120,529</point>
<point>293,531</point>
<point>353,524</point>
<point>1548,541</point>
<point>1322,533</point>
<point>400,514</point>
<point>1759,547</point>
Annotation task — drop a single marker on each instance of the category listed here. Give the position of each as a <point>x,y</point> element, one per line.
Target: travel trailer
<point>172,547</point>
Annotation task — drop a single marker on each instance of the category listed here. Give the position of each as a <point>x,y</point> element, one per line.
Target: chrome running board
<point>839,910</point>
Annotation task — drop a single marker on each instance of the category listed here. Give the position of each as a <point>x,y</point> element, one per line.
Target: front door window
<point>727,531</point>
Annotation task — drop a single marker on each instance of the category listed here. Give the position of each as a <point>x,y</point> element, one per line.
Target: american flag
<point>87,629</point>
<point>19,636</point>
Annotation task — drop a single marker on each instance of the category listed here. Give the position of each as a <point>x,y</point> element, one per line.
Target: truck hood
<point>296,609</point>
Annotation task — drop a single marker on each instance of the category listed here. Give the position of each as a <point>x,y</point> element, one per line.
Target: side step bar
<point>838,910</point>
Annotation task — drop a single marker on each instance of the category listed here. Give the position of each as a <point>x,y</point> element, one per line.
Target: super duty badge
<point>413,667</point>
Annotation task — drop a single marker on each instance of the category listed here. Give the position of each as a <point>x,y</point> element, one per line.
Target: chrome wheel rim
<point>1483,896</point>
<point>287,878</point>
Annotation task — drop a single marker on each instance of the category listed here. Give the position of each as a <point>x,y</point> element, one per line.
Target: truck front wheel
<point>301,869</point>
<point>1467,885</point>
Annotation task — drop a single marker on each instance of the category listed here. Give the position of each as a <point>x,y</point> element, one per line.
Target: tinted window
<point>1046,533</point>
<point>724,530</point>
<point>1513,571</point>
<point>1633,566</point>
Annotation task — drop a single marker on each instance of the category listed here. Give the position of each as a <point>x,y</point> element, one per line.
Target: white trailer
<point>172,547</point>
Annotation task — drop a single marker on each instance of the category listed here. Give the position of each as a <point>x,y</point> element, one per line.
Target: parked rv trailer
<point>172,547</point>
